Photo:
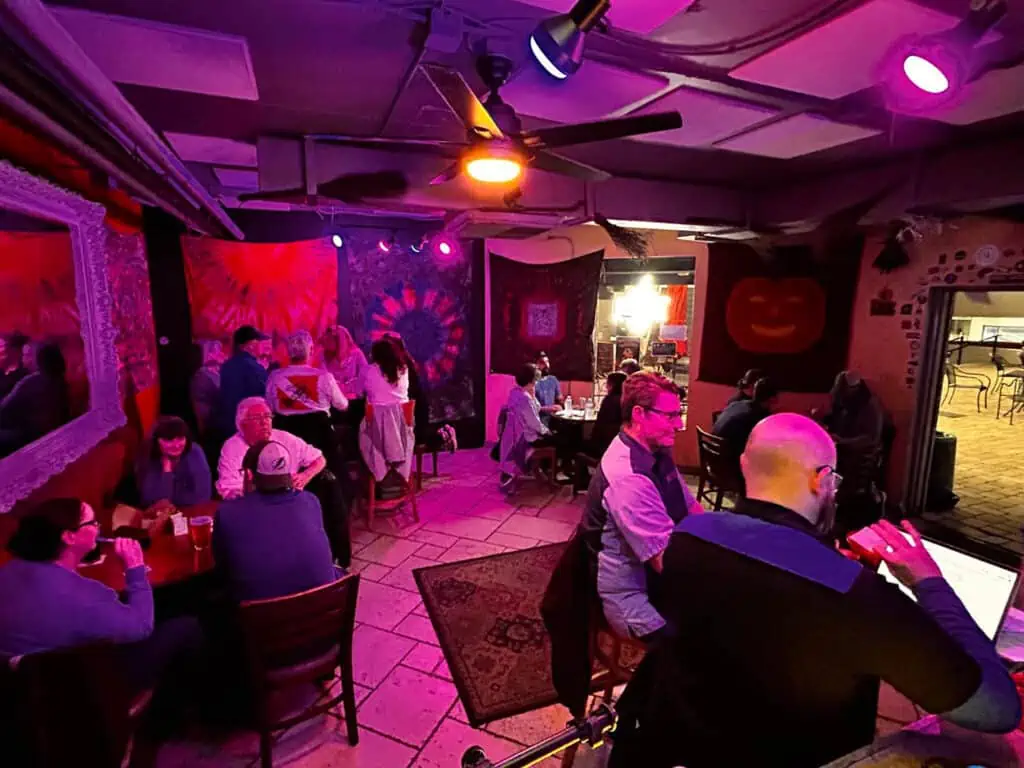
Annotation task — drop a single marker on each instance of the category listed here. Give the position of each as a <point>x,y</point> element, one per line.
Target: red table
<point>170,559</point>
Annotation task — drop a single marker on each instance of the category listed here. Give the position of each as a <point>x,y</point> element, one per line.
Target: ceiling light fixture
<point>493,163</point>
<point>417,246</point>
<point>337,240</point>
<point>557,43</point>
<point>927,71</point>
<point>385,244</point>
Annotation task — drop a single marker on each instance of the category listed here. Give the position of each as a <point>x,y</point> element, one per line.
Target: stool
<point>419,451</point>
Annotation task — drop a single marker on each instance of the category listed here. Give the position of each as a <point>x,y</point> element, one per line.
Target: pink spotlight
<point>445,248</point>
<point>925,75</point>
<point>384,245</point>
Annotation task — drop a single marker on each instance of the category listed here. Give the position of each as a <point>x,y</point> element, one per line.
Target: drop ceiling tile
<point>844,55</point>
<point>640,16</point>
<point>796,136</point>
<point>232,178</point>
<point>212,150</point>
<point>139,52</point>
<point>595,91</point>
<point>707,117</point>
<point>996,94</point>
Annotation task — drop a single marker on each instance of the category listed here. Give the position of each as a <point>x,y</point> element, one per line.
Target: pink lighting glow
<point>384,245</point>
<point>925,75</point>
<point>445,248</point>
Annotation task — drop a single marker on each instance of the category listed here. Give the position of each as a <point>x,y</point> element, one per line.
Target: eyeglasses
<point>837,479</point>
<point>668,414</point>
<point>263,417</point>
<point>87,523</point>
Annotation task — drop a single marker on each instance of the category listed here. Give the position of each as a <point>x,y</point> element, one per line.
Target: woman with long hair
<point>172,470</point>
<point>387,378</point>
<point>342,358</point>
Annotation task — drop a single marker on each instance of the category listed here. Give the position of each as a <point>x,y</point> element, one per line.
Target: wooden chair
<point>544,464</point>
<point>583,464</point>
<point>69,707</point>
<point>409,487</point>
<point>420,451</point>
<point>300,640</point>
<point>616,657</point>
<point>718,472</point>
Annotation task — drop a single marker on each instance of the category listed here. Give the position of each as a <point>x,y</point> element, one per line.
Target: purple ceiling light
<point>928,72</point>
<point>557,44</point>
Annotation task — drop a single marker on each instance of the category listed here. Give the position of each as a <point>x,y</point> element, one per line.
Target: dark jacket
<point>606,426</point>
<point>737,421</point>
<point>241,376</point>
<point>272,544</point>
<point>781,645</point>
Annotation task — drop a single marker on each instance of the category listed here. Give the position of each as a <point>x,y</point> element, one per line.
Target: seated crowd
<point>282,525</point>
<point>755,610</point>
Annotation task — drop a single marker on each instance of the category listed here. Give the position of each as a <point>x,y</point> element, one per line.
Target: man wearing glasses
<point>635,499</point>
<point>781,641</point>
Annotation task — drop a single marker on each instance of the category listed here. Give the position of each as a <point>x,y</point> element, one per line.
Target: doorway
<point>967,448</point>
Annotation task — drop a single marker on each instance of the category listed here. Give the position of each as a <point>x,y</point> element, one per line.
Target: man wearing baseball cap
<point>271,542</point>
<point>241,376</point>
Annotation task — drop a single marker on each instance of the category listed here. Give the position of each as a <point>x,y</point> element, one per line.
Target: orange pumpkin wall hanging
<point>776,316</point>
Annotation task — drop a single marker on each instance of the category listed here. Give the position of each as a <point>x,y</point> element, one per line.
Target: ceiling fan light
<point>498,168</point>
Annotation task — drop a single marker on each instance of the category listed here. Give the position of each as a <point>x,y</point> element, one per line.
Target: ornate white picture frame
<point>27,469</point>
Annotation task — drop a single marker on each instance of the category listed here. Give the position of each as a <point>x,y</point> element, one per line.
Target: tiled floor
<point>409,714</point>
<point>989,472</point>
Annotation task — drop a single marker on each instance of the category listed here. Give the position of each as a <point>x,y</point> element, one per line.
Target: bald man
<point>781,642</point>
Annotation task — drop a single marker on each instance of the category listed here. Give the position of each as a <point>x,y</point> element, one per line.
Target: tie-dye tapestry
<point>425,297</point>
<point>277,287</point>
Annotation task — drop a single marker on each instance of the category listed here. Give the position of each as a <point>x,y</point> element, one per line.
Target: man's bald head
<point>783,461</point>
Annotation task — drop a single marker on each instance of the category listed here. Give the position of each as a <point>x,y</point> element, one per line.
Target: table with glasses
<point>170,559</point>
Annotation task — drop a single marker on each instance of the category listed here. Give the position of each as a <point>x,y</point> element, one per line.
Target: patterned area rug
<point>486,613</point>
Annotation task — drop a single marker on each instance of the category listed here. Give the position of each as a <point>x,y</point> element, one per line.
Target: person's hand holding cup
<point>908,561</point>
<point>129,552</point>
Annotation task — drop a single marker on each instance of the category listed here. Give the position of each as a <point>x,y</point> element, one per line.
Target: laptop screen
<point>985,589</point>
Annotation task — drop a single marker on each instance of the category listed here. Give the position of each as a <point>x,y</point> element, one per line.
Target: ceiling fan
<point>496,149</point>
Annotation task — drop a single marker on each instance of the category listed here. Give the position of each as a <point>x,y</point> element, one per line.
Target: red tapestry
<point>549,308</point>
<point>277,287</point>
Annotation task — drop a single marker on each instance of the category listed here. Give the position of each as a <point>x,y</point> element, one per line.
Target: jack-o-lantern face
<point>776,317</point>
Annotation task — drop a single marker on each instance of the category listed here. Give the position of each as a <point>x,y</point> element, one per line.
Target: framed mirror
<point>59,392</point>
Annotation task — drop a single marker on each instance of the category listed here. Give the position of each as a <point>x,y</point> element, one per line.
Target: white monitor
<point>985,589</point>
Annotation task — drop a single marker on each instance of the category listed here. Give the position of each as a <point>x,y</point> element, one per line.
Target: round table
<point>170,559</point>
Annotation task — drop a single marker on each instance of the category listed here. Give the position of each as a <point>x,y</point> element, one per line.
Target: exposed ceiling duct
<point>31,29</point>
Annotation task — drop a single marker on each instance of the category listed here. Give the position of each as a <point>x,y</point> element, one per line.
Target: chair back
<point>717,462</point>
<point>66,707</point>
<point>950,373</point>
<point>302,629</point>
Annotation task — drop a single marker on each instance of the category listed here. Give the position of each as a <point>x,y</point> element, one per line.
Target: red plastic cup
<point>200,531</point>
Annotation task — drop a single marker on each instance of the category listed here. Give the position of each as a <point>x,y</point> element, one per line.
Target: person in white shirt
<point>308,470</point>
<point>300,389</point>
<point>387,379</point>
<point>255,424</point>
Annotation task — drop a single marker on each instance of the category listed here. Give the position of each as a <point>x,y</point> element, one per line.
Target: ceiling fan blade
<point>353,187</point>
<point>447,174</point>
<point>461,100</point>
<point>411,146</point>
<point>601,130</point>
<point>549,161</point>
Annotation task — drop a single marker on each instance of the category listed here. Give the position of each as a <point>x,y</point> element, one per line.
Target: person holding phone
<point>781,642</point>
